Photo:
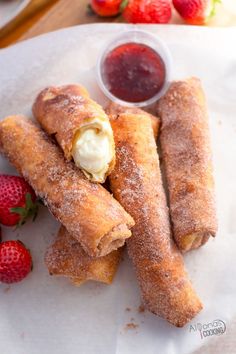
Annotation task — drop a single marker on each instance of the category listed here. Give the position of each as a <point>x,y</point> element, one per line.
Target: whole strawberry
<point>147,11</point>
<point>17,200</point>
<point>196,12</point>
<point>106,8</point>
<point>15,261</point>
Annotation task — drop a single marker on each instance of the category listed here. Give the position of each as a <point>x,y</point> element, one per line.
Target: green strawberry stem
<point>123,5</point>
<point>90,10</point>
<point>213,10</point>
<point>29,210</point>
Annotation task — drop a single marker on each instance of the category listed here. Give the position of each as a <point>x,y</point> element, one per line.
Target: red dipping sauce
<point>133,72</point>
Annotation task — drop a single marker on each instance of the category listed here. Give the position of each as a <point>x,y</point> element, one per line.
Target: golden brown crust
<point>87,210</point>
<point>61,111</point>
<point>66,257</point>
<point>136,183</point>
<point>116,109</point>
<point>185,143</point>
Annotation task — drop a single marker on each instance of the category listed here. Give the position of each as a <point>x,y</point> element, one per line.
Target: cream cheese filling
<point>93,148</point>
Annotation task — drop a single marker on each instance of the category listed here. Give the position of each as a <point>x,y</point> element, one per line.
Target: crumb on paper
<point>128,309</point>
<point>22,335</point>
<point>7,289</point>
<point>219,122</point>
<point>141,308</point>
<point>131,325</point>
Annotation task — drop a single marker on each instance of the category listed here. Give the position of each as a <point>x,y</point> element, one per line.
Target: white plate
<point>9,9</point>
<point>46,315</point>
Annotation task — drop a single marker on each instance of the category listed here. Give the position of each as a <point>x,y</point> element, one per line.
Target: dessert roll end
<point>66,257</point>
<point>113,240</point>
<point>114,110</point>
<point>193,241</point>
<point>81,128</point>
<point>169,295</point>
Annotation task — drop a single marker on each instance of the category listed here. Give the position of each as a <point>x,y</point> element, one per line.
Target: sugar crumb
<point>131,325</point>
<point>141,309</point>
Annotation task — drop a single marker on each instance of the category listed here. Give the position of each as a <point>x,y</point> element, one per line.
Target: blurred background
<point>23,19</point>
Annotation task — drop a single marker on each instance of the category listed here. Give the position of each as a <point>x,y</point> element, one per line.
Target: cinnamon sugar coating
<point>61,111</point>
<point>136,183</point>
<point>187,157</point>
<point>116,109</point>
<point>66,257</point>
<point>87,210</point>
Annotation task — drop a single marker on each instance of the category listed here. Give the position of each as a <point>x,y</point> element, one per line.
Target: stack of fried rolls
<point>69,195</point>
<point>95,224</point>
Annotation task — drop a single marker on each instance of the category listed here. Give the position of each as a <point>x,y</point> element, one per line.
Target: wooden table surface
<point>42,16</point>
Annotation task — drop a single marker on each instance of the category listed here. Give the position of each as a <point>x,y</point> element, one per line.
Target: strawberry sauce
<point>133,72</point>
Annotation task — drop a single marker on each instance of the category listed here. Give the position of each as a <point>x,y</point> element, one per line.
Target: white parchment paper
<point>46,315</point>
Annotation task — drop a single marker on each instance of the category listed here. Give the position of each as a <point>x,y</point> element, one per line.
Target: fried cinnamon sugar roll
<point>187,157</point>
<point>136,183</point>
<point>87,210</point>
<point>66,257</point>
<point>80,126</point>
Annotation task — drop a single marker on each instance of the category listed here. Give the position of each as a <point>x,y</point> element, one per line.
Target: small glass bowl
<point>140,37</point>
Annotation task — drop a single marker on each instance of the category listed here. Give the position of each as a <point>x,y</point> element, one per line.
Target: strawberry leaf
<point>18,210</point>
<point>90,10</point>
<point>123,5</point>
<point>213,10</point>
<point>29,210</point>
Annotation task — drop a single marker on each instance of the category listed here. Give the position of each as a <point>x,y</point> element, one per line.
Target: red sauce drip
<point>133,72</point>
